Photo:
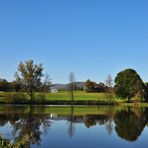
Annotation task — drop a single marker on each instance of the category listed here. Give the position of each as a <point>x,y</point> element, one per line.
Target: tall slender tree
<point>109,89</point>
<point>71,85</point>
<point>109,81</point>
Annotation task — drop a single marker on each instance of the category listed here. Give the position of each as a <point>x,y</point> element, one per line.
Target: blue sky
<point>92,38</point>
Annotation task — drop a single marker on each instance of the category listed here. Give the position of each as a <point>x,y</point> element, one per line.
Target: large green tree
<point>146,92</point>
<point>128,84</point>
<point>29,75</point>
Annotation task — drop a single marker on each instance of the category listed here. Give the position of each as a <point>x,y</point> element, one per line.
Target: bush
<point>40,98</point>
<point>8,98</point>
<point>15,98</point>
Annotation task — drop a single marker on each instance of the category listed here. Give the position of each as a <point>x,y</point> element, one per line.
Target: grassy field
<point>64,95</point>
<point>100,97</point>
<point>79,95</point>
<point>83,96</point>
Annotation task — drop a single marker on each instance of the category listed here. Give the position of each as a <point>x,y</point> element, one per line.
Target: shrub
<point>8,98</point>
<point>15,97</point>
<point>40,98</point>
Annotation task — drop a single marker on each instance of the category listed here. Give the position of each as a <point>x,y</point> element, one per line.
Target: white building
<point>54,90</point>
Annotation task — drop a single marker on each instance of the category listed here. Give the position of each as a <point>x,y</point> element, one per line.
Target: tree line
<point>14,86</point>
<point>29,78</point>
<point>91,86</point>
<point>128,85</point>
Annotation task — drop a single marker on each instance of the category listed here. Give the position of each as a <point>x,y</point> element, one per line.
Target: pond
<point>74,127</point>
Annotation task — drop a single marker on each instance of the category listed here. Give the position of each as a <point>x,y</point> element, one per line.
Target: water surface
<point>75,127</point>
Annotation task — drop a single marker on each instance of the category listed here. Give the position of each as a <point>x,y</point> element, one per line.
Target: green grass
<point>84,96</point>
<point>79,95</point>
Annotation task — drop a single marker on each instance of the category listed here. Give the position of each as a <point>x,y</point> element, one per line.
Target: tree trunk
<point>129,99</point>
<point>72,97</point>
<point>31,97</point>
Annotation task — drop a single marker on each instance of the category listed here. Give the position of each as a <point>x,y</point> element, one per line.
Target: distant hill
<point>59,86</point>
<point>79,85</point>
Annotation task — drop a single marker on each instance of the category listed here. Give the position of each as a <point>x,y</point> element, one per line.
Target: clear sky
<point>92,38</point>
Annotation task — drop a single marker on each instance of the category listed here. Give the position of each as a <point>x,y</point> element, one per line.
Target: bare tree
<point>71,86</point>
<point>46,83</point>
<point>109,81</point>
<point>109,90</point>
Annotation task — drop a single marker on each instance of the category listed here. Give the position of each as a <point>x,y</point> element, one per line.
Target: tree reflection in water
<point>26,125</point>
<point>71,126</point>
<point>129,124</point>
<point>29,123</point>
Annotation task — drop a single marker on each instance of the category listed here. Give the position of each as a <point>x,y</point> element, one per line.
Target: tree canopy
<point>30,74</point>
<point>128,84</point>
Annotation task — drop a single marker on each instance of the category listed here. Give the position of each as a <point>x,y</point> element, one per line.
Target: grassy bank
<point>60,98</point>
<point>63,98</point>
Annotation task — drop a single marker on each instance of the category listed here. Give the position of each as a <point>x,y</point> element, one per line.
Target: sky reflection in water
<point>75,126</point>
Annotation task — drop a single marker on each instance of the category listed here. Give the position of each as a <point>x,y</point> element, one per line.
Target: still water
<point>74,127</point>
